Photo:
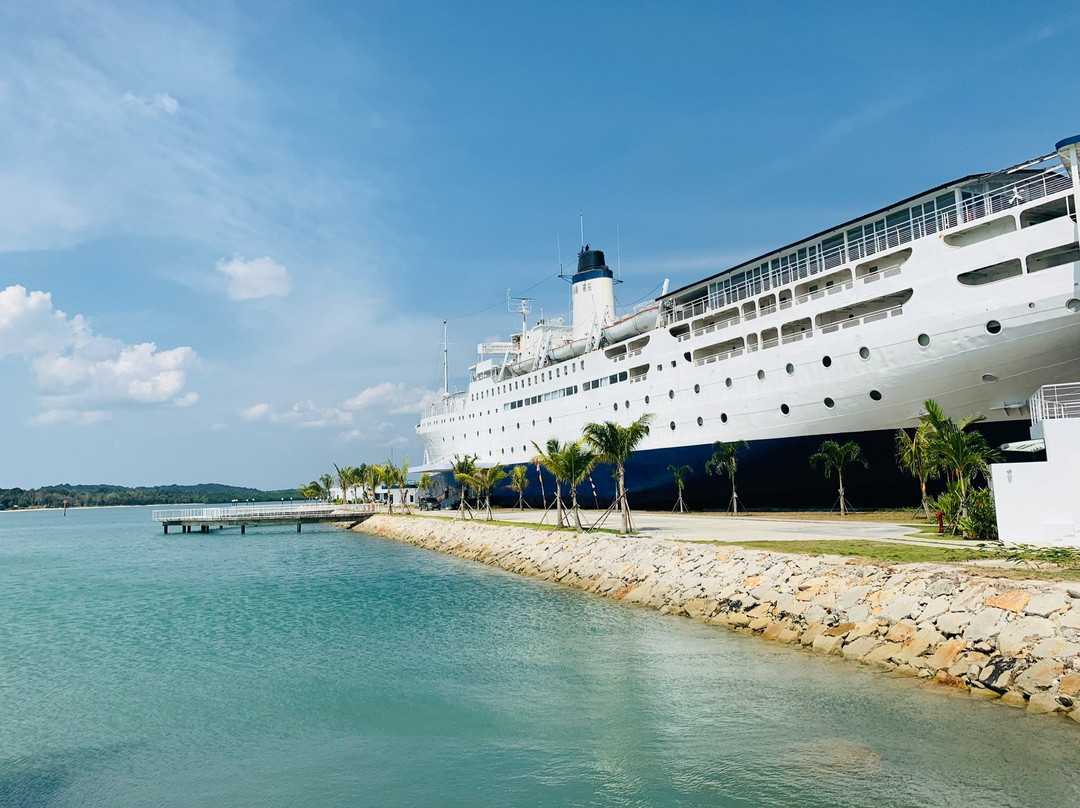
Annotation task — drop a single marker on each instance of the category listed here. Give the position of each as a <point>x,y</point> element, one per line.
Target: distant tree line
<point>53,496</point>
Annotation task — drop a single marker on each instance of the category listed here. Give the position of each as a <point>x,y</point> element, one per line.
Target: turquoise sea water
<point>331,668</point>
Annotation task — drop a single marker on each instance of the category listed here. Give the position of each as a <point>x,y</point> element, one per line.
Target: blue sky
<point>229,233</point>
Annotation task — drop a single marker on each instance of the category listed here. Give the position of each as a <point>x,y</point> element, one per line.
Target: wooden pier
<point>243,516</point>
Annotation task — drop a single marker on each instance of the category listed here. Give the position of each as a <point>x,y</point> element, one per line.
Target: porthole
<point>826,361</point>
<point>727,382</point>
<point>616,406</point>
<point>1031,305</point>
<point>875,395</point>
<point>626,404</point>
<point>761,375</point>
<point>686,356</point>
<point>549,419</point>
<point>790,369</point>
<point>534,422</point>
<point>646,399</point>
<point>671,394</point>
<point>1073,305</point>
<point>829,402</point>
<point>700,421</point>
<point>784,408</point>
<point>672,425</point>
<point>519,426</point>
<point>993,327</point>
<point>924,340</point>
<point>697,388</point>
<point>524,448</point>
<point>723,417</point>
<point>673,363</point>
<point>864,352</point>
<point>989,378</point>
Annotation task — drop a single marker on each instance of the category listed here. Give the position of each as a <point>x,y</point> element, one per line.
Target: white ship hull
<point>858,352</point>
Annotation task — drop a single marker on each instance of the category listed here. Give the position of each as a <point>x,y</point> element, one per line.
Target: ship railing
<point>719,357</point>
<point>1009,196</point>
<point>873,317</point>
<point>449,404</point>
<point>1054,401</point>
<point>977,207</point>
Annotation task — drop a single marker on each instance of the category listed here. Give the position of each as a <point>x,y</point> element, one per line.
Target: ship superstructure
<point>968,293</point>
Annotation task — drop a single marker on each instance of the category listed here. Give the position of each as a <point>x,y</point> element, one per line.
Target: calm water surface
<point>332,668</point>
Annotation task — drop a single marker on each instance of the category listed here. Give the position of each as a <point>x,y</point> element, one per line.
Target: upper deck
<point>940,209</point>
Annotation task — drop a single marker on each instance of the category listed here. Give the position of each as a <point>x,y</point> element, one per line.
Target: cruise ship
<point>967,293</point>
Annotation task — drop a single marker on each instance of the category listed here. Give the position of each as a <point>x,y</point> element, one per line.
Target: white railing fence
<point>1055,401</point>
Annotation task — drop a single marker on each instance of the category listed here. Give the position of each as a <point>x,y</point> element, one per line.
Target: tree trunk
<point>558,506</point>
<point>734,497</point>
<point>574,505</point>
<point>624,505</point>
<point>925,501</point>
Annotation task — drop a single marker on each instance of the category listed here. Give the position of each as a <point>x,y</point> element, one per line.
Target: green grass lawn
<point>878,551</point>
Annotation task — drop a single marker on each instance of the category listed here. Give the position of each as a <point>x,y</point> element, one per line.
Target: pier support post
<point>298,524</point>
<point>243,529</point>
<point>166,526</point>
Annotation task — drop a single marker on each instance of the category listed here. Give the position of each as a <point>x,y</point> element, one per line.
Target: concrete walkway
<point>724,528</point>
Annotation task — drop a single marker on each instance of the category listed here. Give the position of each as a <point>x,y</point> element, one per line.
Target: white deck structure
<point>1039,503</point>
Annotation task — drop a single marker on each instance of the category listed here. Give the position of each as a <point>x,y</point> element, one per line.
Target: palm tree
<point>725,460</point>
<point>570,465</point>
<point>519,481</point>
<point>835,457</point>
<point>680,472</point>
<point>327,482</point>
<point>964,455</point>
<point>915,455</point>
<point>347,479</point>
<point>382,475</point>
<point>484,480</point>
<point>425,483</point>
<point>614,444</point>
<point>545,458</point>
<point>361,479</point>
<point>401,476</point>
<point>463,468</point>
<point>311,491</point>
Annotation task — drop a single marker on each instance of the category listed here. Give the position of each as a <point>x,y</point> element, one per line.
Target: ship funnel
<point>593,293</point>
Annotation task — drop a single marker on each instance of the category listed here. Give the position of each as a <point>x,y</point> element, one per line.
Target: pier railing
<point>1055,401</point>
<point>258,510</point>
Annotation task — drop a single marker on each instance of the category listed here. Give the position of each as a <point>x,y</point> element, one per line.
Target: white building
<point>1039,503</point>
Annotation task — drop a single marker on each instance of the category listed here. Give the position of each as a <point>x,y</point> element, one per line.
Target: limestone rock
<point>899,608</point>
<point>952,623</point>
<point>945,654</point>
<point>882,654</point>
<point>935,608</point>
<point>901,632</point>
<point>1055,647</point>
<point>1014,698</point>
<point>985,625</point>
<point>813,631</point>
<point>1043,703</point>
<point>1039,676</point>
<point>918,645</point>
<point>759,623</point>
<point>788,636</point>
<point>998,674</point>
<point>825,644</point>
<point>839,630</point>
<point>1046,603</point>
<point>1069,685</point>
<point>1013,601</point>
<point>1023,633</point>
<point>858,648</point>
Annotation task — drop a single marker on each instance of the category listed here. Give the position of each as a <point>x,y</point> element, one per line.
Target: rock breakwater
<point>1014,640</point>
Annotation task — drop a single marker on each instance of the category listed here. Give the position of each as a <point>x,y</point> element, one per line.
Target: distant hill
<point>53,496</point>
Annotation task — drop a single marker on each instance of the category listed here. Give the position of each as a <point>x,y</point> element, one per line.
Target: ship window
<point>727,382</point>
<point>626,404</point>
<point>1053,258</point>
<point>829,402</point>
<point>671,394</point>
<point>549,419</point>
<point>646,399</point>
<point>623,376</point>
<point>723,417</point>
<point>700,421</point>
<point>790,369</point>
<point>785,409</point>
<point>875,395</point>
<point>1073,305</point>
<point>673,363</point>
<point>864,352</point>
<point>989,378</point>
<point>686,356</point>
<point>697,388</point>
<point>994,327</point>
<point>672,425</point>
<point>615,406</point>
<point>659,367</point>
<point>761,375</point>
<point>826,361</point>
<point>992,273</point>
<point>924,340</point>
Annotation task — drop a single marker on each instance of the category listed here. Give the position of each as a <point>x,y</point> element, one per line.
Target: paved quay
<point>725,528</point>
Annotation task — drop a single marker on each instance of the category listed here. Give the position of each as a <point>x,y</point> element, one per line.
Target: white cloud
<point>80,374</point>
<point>389,397</point>
<point>304,414</point>
<point>154,105</point>
<point>249,280</point>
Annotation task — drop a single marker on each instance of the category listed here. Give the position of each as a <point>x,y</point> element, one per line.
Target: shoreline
<point>1013,641</point>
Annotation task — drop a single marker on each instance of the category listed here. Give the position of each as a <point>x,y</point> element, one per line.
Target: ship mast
<point>445,371</point>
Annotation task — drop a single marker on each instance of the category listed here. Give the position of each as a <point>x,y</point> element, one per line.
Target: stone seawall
<point>1014,640</point>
